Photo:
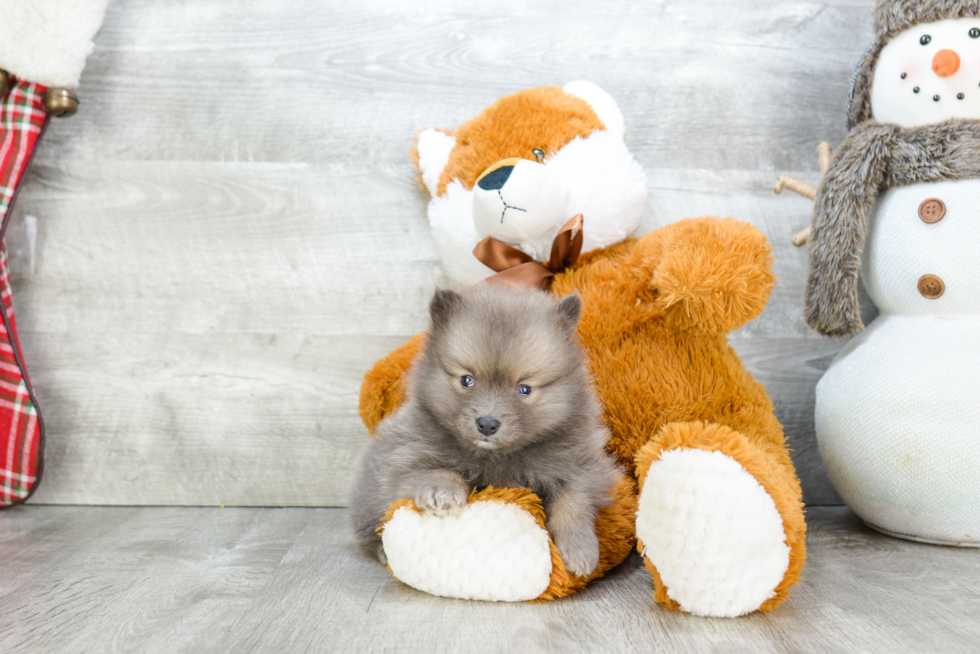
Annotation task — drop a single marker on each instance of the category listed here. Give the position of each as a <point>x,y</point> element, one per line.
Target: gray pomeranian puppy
<point>500,396</point>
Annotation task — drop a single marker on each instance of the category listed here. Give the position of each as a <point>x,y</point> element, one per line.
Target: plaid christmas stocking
<point>22,121</point>
<point>45,42</point>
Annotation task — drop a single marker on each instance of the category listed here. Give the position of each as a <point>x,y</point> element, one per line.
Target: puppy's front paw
<point>580,552</point>
<point>442,499</point>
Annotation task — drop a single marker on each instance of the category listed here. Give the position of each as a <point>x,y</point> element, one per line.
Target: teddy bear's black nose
<point>487,426</point>
<point>496,179</point>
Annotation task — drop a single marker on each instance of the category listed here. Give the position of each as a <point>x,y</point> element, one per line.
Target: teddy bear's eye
<point>539,154</point>
<point>467,381</point>
<point>524,390</point>
<point>925,39</point>
<point>975,33</point>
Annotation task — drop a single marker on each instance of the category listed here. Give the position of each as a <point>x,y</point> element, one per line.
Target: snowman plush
<point>899,207</point>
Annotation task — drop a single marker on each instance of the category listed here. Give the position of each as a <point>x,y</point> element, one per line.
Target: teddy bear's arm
<point>712,275</point>
<point>383,388</point>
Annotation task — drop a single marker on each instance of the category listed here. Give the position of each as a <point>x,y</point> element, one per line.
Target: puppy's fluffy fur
<point>484,345</point>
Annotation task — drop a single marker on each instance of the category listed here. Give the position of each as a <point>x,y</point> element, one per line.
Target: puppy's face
<point>502,368</point>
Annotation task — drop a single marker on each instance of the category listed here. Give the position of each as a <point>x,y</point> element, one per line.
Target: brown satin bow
<point>516,268</point>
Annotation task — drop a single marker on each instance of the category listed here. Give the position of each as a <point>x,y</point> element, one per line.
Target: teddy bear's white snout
<point>518,200</point>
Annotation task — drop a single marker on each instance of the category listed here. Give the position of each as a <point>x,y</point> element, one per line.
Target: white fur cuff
<point>47,41</point>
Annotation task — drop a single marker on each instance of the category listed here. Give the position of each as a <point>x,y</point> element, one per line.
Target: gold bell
<point>60,103</point>
<point>4,82</point>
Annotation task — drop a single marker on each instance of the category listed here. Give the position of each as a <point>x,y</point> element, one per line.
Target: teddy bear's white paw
<point>487,551</point>
<point>712,532</point>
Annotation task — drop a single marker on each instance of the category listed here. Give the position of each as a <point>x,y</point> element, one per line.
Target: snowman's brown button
<point>932,211</point>
<point>931,286</point>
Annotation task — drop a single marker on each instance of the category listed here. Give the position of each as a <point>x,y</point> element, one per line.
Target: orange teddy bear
<point>717,509</point>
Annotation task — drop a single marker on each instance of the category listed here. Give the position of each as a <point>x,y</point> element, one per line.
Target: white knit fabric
<point>489,551</point>
<point>712,532</point>
<point>897,423</point>
<point>47,41</point>
<point>901,248</point>
<point>896,413</point>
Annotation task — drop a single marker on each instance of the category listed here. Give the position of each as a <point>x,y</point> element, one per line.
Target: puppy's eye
<point>975,33</point>
<point>467,381</point>
<point>925,39</point>
<point>524,390</point>
<point>539,154</point>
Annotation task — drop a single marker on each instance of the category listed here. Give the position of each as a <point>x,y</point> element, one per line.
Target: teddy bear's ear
<point>433,147</point>
<point>602,104</point>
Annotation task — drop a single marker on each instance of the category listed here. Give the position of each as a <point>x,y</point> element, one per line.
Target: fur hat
<point>891,18</point>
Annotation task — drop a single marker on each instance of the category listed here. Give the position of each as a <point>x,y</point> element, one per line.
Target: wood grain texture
<point>230,233</point>
<point>93,579</point>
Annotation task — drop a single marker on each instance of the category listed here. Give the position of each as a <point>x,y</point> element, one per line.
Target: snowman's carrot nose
<point>945,63</point>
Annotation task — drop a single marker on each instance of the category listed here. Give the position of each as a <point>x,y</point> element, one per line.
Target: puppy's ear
<point>569,310</point>
<point>443,305</point>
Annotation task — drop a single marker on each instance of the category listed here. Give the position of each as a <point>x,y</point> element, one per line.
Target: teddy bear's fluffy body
<point>656,311</point>
<point>713,495</point>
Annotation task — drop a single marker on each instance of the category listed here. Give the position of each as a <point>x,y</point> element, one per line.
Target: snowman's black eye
<point>960,96</point>
<point>975,33</point>
<point>903,75</point>
<point>925,39</point>
<point>915,90</point>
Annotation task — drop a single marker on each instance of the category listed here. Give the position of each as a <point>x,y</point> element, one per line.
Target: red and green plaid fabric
<point>22,118</point>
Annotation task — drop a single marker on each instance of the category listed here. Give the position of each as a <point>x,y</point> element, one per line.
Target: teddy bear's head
<point>522,168</point>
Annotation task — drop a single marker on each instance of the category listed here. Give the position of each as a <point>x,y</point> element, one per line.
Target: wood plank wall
<point>230,233</point>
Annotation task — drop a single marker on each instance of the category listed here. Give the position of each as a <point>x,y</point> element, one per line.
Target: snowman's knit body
<point>896,410</point>
<point>901,248</point>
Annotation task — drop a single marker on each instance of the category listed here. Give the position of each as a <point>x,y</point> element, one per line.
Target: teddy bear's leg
<point>498,548</point>
<point>720,522</point>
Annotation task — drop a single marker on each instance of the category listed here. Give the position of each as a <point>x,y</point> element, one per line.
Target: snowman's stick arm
<point>800,238</point>
<point>796,185</point>
<point>807,190</point>
<point>824,153</point>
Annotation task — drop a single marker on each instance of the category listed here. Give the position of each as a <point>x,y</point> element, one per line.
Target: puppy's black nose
<point>496,179</point>
<point>487,426</point>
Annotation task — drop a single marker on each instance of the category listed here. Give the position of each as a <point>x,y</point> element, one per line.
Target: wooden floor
<point>148,579</point>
